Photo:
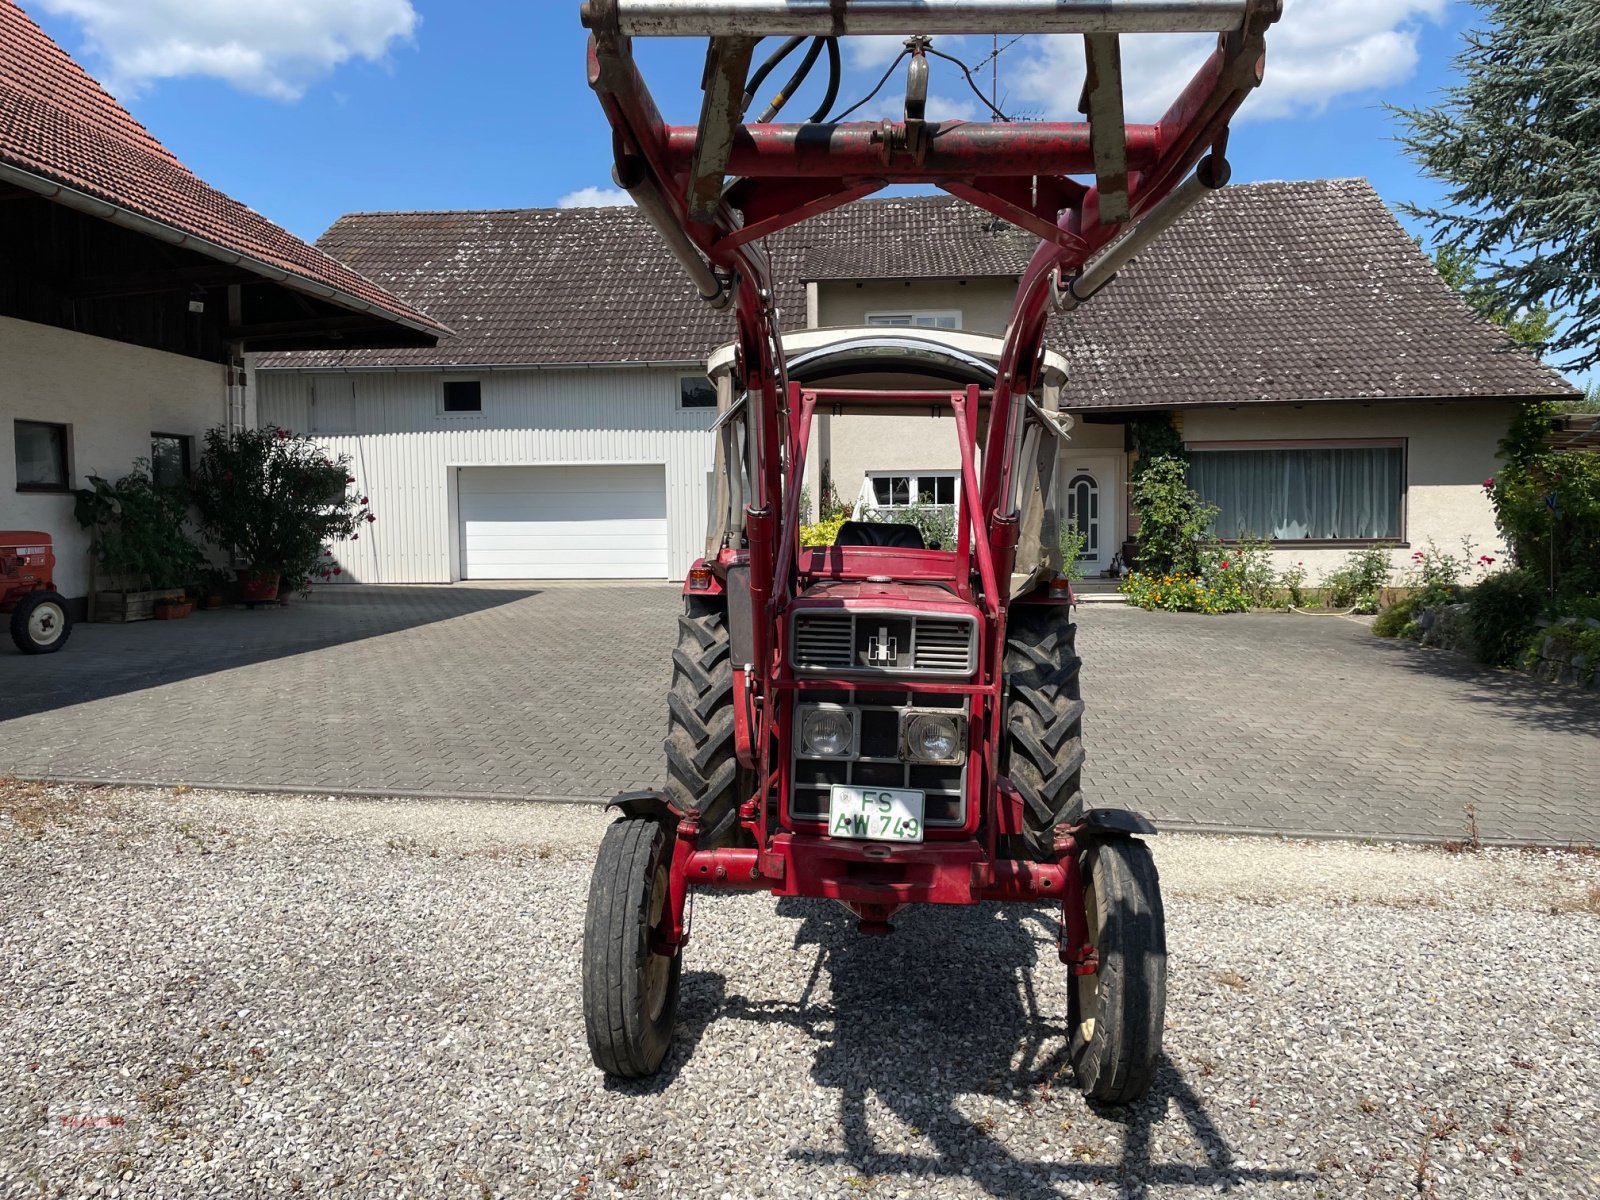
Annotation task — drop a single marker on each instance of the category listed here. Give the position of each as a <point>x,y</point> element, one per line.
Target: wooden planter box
<point>126,606</point>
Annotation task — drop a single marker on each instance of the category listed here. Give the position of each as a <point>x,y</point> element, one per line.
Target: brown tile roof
<point>1268,292</point>
<point>1288,291</point>
<point>59,127</point>
<point>528,286</point>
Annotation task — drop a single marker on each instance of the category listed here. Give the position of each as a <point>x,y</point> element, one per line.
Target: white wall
<point>405,453</point>
<point>114,396</point>
<point>984,304</point>
<point>1450,451</point>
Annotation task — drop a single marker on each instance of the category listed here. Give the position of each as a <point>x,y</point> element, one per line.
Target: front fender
<point>647,803</point>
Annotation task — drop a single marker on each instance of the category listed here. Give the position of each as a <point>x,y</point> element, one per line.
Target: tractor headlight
<point>933,737</point>
<point>828,732</point>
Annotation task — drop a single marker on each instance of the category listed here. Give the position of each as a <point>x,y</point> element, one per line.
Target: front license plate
<point>876,814</point>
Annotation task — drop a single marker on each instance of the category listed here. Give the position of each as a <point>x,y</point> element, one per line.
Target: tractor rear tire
<point>1043,752</point>
<point>702,766</point>
<point>39,624</point>
<point>630,994</point>
<point>1117,1013</point>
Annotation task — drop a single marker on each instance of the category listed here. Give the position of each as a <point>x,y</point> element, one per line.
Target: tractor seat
<point>895,534</point>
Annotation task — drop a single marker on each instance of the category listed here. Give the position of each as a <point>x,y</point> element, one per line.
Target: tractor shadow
<point>943,1019</point>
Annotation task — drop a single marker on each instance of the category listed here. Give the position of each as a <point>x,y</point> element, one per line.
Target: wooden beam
<point>1108,141</point>
<point>153,282</point>
<point>314,325</point>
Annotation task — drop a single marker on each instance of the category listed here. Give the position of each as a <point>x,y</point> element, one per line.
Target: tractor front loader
<point>880,721</point>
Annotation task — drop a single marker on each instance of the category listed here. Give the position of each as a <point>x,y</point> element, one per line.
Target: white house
<point>1332,390</point>
<point>130,291</point>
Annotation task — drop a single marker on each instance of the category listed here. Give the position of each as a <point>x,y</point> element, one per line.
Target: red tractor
<point>39,622</point>
<point>881,721</point>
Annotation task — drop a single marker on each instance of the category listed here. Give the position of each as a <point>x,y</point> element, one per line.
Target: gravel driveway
<point>213,994</point>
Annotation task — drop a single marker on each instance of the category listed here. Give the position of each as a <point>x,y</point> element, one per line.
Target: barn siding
<point>404,452</point>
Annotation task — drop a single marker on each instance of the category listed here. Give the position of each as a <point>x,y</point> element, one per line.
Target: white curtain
<point>1307,492</point>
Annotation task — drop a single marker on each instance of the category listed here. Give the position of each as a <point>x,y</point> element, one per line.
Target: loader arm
<point>1094,191</point>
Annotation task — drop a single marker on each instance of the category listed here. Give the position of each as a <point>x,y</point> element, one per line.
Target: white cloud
<point>275,49</point>
<point>595,197</point>
<point>1317,53</point>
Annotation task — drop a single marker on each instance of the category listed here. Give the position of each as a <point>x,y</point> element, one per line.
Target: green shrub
<point>277,500</point>
<point>1568,641</point>
<point>1579,606</point>
<point>1501,612</point>
<point>1547,505</point>
<point>823,532</point>
<point>1393,621</point>
<point>140,530</point>
<point>1356,584</point>
<point>1173,520</point>
<point>1182,593</point>
<point>1293,582</point>
<point>1072,542</point>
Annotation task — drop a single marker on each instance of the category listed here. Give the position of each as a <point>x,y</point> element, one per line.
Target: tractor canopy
<point>889,358</point>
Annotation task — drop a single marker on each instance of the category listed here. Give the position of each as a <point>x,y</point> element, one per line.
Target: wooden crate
<point>126,606</point>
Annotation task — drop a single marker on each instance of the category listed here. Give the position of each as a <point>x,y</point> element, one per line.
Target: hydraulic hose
<point>766,68</point>
<point>795,80</point>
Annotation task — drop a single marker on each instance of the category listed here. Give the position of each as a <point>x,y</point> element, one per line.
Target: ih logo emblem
<point>882,651</point>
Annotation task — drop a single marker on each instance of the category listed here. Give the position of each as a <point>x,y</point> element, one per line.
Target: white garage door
<point>564,522</point>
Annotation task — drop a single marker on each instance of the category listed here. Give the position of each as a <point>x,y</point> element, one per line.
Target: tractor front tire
<point>40,624</point>
<point>630,993</point>
<point>702,766</point>
<point>1117,1013</point>
<point>1043,752</point>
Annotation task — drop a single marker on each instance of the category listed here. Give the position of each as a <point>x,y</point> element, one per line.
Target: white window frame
<point>695,408</point>
<point>867,498</point>
<point>917,318</point>
<point>468,415</point>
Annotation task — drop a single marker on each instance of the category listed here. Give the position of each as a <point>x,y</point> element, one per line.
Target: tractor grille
<point>888,643</point>
<point>878,762</point>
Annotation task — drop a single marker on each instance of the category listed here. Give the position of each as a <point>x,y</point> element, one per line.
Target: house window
<point>903,489</point>
<point>926,319</point>
<point>42,463</point>
<point>463,396</point>
<point>696,391</point>
<point>169,459</point>
<point>1349,491</point>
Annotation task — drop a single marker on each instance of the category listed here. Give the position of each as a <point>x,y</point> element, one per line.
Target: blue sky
<point>305,109</point>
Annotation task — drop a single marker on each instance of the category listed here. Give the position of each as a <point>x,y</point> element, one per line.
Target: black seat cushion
<point>899,535</point>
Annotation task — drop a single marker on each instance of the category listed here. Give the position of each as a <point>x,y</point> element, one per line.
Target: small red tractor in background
<point>880,721</point>
<point>39,621</point>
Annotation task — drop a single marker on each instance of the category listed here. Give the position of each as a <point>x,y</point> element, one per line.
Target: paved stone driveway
<point>1284,723</point>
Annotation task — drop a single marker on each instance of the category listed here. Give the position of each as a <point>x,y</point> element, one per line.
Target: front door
<point>1088,491</point>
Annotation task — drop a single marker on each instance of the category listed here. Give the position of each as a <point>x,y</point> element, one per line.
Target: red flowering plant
<point>277,500</point>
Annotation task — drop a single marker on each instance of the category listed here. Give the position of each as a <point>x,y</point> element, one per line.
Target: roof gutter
<point>467,368</point>
<point>117,214</point>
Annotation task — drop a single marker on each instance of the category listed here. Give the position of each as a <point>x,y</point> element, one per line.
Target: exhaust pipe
<point>1211,174</point>
<point>631,176</point>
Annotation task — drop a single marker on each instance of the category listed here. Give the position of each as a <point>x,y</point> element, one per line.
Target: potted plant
<point>172,608</point>
<point>141,546</point>
<point>213,588</point>
<point>276,501</point>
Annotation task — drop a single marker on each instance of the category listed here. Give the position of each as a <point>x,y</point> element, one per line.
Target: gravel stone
<point>210,994</point>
